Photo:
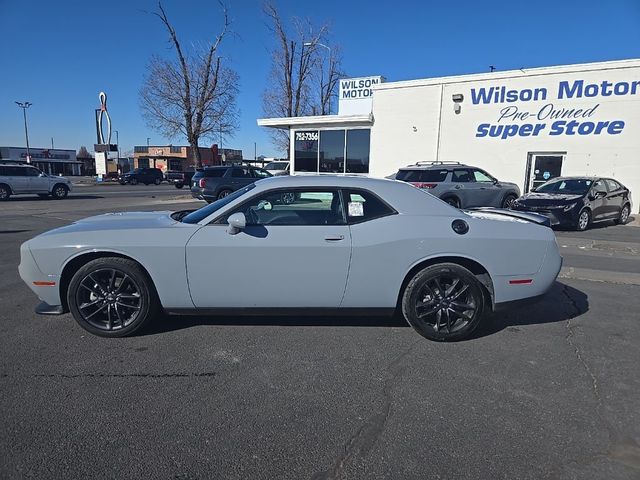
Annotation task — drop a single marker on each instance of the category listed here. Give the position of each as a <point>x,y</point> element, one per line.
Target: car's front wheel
<point>443,302</point>
<point>112,297</point>
<point>157,181</point>
<point>508,200</point>
<point>59,191</point>
<point>133,181</point>
<point>624,215</point>
<point>584,219</point>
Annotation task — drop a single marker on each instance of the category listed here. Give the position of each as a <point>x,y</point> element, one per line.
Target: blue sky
<point>59,55</point>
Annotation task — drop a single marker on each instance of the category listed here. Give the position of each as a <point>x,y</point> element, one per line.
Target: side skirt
<point>306,312</point>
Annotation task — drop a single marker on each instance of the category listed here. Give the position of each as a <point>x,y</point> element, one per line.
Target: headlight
<point>569,207</point>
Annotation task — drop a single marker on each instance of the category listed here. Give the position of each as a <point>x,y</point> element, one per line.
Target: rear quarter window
<point>215,173</point>
<point>434,176</point>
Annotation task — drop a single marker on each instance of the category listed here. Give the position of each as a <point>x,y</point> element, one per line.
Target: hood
<point>118,221</point>
<point>536,199</point>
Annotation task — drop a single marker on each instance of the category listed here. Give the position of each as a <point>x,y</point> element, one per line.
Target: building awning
<point>318,121</point>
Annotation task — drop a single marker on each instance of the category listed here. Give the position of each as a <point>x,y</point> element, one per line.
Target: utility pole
<point>52,143</point>
<point>24,106</point>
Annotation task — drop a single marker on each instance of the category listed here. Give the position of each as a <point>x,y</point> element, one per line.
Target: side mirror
<point>237,222</point>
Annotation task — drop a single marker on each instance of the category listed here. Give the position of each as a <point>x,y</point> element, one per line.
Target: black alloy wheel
<point>59,191</point>
<point>584,219</point>
<point>133,181</point>
<point>5,193</point>
<point>443,302</point>
<point>288,198</point>
<point>112,297</point>
<point>157,181</point>
<point>453,201</point>
<point>224,193</point>
<point>508,201</point>
<point>624,215</point>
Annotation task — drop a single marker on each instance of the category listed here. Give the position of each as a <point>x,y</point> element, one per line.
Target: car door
<point>293,254</point>
<point>615,198</point>
<point>18,180</point>
<point>488,193</point>
<point>241,177</point>
<point>599,204</point>
<point>37,182</point>
<point>466,188</point>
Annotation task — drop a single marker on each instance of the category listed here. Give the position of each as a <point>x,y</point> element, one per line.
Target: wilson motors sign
<point>518,116</point>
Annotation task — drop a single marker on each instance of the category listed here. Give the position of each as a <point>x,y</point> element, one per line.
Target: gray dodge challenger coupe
<point>296,244</point>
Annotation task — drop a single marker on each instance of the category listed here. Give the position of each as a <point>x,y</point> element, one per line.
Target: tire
<point>584,220</point>
<point>157,181</point>
<point>224,193</point>
<point>5,192</point>
<point>111,304</point>
<point>624,215</point>
<point>441,292</point>
<point>133,181</point>
<point>122,183</point>
<point>508,200</point>
<point>453,201</point>
<point>59,191</point>
<point>178,185</point>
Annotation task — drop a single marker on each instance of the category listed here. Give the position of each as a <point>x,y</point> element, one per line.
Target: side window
<point>239,172</point>
<point>17,171</point>
<point>613,185</point>
<point>599,186</point>
<point>462,176</point>
<point>363,206</point>
<point>293,207</point>
<point>481,176</point>
<point>32,172</point>
<point>259,173</point>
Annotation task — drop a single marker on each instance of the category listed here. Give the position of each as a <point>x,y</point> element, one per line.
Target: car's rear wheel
<point>5,192</point>
<point>179,185</point>
<point>508,200</point>
<point>133,181</point>
<point>157,181</point>
<point>59,191</point>
<point>112,297</point>
<point>584,219</point>
<point>224,193</point>
<point>624,215</point>
<point>453,201</point>
<point>443,302</point>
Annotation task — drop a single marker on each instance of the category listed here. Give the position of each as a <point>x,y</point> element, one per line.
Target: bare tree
<point>83,153</point>
<point>296,63</point>
<point>326,77</point>
<point>192,95</point>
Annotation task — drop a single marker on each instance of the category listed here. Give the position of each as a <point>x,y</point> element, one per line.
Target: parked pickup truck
<point>179,179</point>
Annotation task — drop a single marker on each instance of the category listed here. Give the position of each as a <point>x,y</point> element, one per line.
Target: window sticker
<point>356,209</point>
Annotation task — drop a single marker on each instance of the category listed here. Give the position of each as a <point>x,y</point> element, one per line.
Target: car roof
<point>435,165</point>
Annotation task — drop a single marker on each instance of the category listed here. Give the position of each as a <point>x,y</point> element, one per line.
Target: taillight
<point>202,183</point>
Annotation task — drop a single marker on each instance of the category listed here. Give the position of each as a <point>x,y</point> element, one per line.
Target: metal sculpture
<point>103,112</point>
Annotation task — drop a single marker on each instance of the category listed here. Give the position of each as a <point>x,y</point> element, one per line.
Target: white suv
<point>17,179</point>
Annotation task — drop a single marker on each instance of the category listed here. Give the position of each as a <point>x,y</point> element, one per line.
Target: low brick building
<point>172,157</point>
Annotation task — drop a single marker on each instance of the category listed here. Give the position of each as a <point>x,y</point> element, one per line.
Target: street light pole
<point>314,44</point>
<point>24,106</point>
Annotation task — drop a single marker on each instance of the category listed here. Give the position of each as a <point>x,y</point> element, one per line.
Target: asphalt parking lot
<point>549,391</point>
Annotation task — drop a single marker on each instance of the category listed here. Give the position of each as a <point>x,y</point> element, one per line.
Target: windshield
<point>136,170</point>
<point>276,166</point>
<point>204,212</point>
<point>573,186</point>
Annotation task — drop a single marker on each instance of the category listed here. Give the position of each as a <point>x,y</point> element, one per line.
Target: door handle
<point>334,238</point>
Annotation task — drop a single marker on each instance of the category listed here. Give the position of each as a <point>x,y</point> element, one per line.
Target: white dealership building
<point>522,126</point>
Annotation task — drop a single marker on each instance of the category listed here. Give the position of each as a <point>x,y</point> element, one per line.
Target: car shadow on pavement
<point>559,304</point>
<point>49,199</point>
<point>168,323</point>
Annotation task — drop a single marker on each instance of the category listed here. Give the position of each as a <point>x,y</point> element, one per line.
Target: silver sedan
<point>310,244</point>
